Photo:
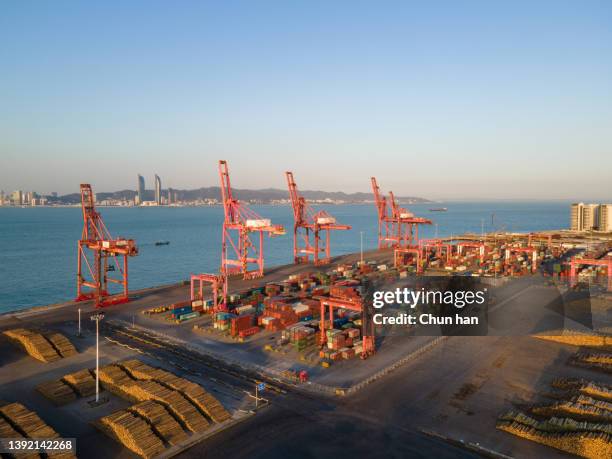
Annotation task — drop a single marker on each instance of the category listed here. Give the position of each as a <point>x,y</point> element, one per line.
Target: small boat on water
<point>438,209</point>
<point>162,243</point>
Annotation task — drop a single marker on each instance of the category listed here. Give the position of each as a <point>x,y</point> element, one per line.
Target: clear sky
<point>458,99</point>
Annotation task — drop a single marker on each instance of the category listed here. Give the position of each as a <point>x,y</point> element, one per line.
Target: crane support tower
<point>397,227</point>
<point>101,254</point>
<point>367,332</point>
<point>528,251</point>
<point>239,253</point>
<point>435,245</point>
<point>576,263</point>
<point>307,228</point>
<point>218,287</point>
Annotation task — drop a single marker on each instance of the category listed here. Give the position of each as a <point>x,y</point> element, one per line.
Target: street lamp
<point>97,318</point>
<point>361,234</point>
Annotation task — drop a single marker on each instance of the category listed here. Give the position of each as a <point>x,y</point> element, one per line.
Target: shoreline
<point>32,310</point>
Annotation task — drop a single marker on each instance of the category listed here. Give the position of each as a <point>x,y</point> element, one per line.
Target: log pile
<point>27,421</point>
<point>82,382</point>
<point>592,445</point>
<point>582,386</point>
<point>201,398</point>
<point>30,424</point>
<point>595,360</point>
<point>578,339</point>
<point>160,419</point>
<point>195,393</point>
<point>575,409</point>
<point>133,433</point>
<point>35,344</point>
<point>579,423</point>
<point>58,392</point>
<point>7,431</point>
<point>113,378</point>
<point>61,344</point>
<point>182,409</point>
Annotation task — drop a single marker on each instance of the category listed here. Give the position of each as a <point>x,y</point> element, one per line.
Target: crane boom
<point>308,226</point>
<point>100,254</point>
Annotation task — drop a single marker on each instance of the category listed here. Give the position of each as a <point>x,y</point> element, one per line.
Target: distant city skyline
<point>454,101</point>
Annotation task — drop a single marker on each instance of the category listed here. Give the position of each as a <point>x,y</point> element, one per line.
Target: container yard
<point>168,371</point>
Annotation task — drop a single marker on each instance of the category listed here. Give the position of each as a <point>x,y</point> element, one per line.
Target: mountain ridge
<point>265,195</point>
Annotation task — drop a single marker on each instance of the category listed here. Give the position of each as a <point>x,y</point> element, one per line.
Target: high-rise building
<point>17,198</point>
<point>170,196</point>
<point>588,217</point>
<point>27,197</point>
<point>141,190</point>
<point>158,189</point>
<point>590,214</point>
<point>576,216</point>
<point>605,217</point>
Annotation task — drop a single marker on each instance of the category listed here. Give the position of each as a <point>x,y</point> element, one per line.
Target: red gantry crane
<point>218,287</point>
<point>408,225</point>
<point>307,222</point>
<point>576,262</point>
<point>238,251</point>
<point>101,254</point>
<point>438,245</point>
<point>367,332</point>
<point>397,227</point>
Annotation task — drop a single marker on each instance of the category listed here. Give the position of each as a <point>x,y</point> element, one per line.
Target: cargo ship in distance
<point>438,209</point>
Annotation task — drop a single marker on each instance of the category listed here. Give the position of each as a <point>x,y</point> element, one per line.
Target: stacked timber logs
<point>160,419</point>
<point>132,432</point>
<point>58,392</point>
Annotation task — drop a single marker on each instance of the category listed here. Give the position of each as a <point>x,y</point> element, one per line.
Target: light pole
<point>482,229</point>
<point>97,318</point>
<point>361,235</point>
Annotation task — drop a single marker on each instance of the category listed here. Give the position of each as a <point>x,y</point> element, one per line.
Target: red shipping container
<point>248,332</point>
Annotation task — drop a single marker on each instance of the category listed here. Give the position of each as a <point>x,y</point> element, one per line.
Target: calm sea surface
<point>38,246</point>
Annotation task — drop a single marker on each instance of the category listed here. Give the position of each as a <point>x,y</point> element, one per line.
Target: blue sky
<point>437,99</point>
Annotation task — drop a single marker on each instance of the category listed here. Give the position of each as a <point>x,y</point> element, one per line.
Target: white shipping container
<point>298,308</point>
<point>258,223</point>
<point>326,220</point>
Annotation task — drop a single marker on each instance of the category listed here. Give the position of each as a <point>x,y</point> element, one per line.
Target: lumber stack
<point>32,426</point>
<point>160,419</point>
<point>592,445</point>
<point>142,371</point>
<point>200,398</point>
<point>35,344</point>
<point>133,433</point>
<point>82,382</point>
<point>195,393</point>
<point>182,409</point>
<point>113,378</point>
<point>137,369</point>
<point>27,421</point>
<point>7,431</point>
<point>62,345</point>
<point>58,392</point>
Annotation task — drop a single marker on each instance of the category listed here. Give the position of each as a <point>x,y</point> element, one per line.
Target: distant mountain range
<point>214,192</point>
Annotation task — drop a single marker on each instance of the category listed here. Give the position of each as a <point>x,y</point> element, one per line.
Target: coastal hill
<point>263,196</point>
